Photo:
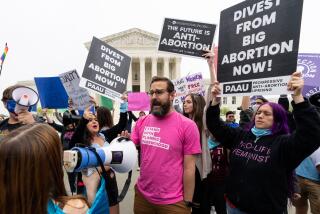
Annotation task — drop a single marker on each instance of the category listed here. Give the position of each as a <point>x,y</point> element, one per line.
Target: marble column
<point>129,82</point>
<point>177,68</point>
<point>142,74</point>
<point>166,67</point>
<point>154,67</point>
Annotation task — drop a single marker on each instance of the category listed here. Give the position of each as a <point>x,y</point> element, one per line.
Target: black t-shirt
<point>6,127</point>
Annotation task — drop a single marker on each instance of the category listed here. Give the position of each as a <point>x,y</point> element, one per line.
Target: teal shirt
<point>307,167</point>
<point>100,204</point>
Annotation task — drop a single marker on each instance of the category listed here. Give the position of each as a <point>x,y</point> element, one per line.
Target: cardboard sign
<point>258,46</point>
<point>80,96</point>
<point>51,92</point>
<point>106,70</point>
<point>186,85</point>
<point>186,37</point>
<point>138,101</point>
<point>309,65</point>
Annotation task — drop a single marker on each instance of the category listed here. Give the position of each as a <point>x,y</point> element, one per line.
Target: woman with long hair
<point>89,133</point>
<point>31,174</point>
<point>263,156</point>
<point>193,108</point>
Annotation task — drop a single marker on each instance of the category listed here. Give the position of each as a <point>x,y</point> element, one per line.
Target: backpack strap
<point>104,175</point>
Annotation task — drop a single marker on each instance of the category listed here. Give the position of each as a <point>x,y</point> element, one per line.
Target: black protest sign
<point>258,41</point>
<point>106,70</point>
<point>186,37</point>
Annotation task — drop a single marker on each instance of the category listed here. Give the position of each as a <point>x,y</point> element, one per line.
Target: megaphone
<point>315,99</point>
<point>24,98</point>
<point>121,155</point>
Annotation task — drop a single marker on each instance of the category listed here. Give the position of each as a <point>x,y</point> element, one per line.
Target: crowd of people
<point>189,161</point>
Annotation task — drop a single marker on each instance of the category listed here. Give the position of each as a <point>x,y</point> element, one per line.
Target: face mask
<point>11,105</point>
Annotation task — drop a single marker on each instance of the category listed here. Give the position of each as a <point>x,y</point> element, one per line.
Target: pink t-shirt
<point>163,143</point>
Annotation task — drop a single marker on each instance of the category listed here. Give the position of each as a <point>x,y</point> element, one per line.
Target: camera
<point>70,118</point>
<point>121,155</point>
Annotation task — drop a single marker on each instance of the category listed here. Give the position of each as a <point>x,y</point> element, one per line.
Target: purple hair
<point>280,126</point>
<point>280,120</point>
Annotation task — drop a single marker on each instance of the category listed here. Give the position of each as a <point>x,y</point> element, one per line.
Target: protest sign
<point>138,101</point>
<point>309,65</point>
<point>80,96</point>
<point>51,92</point>
<point>106,70</point>
<point>186,85</point>
<point>258,46</point>
<point>186,37</point>
<point>106,102</point>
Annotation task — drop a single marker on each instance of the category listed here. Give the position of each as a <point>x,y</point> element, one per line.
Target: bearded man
<point>169,143</point>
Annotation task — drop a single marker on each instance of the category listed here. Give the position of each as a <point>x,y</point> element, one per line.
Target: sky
<point>46,37</point>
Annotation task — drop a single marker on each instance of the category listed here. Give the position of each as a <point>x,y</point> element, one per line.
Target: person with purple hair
<point>263,156</point>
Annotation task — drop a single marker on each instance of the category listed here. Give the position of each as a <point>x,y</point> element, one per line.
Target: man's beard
<point>159,109</point>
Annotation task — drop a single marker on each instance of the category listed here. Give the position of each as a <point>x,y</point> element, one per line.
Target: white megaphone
<point>121,155</point>
<point>24,97</point>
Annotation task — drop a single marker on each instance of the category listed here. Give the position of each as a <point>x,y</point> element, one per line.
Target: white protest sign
<point>192,83</point>
<point>80,96</point>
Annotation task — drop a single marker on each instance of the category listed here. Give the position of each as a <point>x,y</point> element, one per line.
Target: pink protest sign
<point>138,101</point>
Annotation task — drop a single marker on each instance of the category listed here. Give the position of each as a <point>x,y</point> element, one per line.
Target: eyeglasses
<point>157,92</point>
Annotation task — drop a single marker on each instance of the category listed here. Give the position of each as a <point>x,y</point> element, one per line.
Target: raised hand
<point>209,55</point>
<point>296,84</point>
<point>87,114</point>
<point>215,92</point>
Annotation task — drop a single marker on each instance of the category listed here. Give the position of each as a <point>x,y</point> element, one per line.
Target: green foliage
<point>224,110</point>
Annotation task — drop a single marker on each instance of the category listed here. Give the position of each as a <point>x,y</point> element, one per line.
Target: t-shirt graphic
<point>150,137</point>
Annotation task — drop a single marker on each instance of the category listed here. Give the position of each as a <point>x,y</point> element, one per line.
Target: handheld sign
<point>106,70</point>
<point>258,46</point>
<point>186,37</point>
<point>309,65</point>
<point>138,101</point>
<point>51,92</point>
<point>186,85</point>
<point>80,96</point>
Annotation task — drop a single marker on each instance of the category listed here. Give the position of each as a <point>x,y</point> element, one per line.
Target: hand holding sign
<point>296,84</point>
<point>124,97</point>
<point>88,114</point>
<point>215,91</point>
<point>209,55</point>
